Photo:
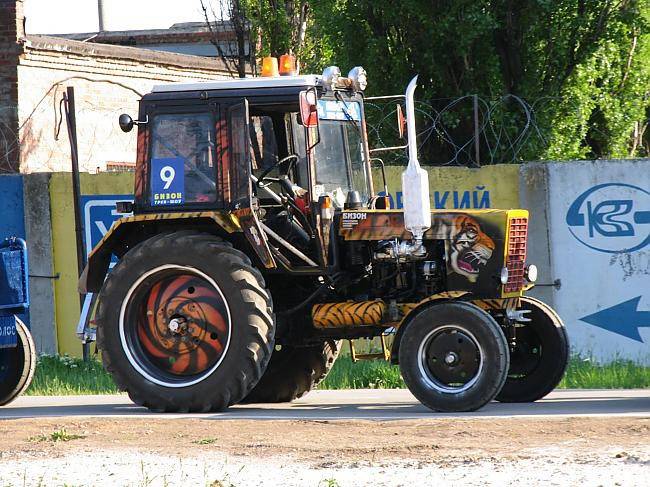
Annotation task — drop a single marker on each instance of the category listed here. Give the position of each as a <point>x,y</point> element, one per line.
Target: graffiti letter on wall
<point>604,221</point>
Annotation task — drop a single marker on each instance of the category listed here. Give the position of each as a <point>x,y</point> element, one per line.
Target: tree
<point>276,26</point>
<point>282,25</point>
<point>582,65</point>
<point>231,20</point>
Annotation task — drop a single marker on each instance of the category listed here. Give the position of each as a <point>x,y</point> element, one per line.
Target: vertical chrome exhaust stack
<point>415,180</point>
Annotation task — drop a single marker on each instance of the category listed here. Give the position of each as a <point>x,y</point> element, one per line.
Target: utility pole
<point>100,14</point>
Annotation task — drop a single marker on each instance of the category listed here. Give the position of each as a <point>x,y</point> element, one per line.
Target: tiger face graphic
<point>469,248</point>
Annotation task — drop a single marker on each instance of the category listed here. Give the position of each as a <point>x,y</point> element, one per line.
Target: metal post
<point>477,141</point>
<point>71,122</point>
<point>100,14</point>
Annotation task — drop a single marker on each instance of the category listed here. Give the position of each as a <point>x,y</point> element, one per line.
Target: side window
<point>264,145</point>
<point>183,165</point>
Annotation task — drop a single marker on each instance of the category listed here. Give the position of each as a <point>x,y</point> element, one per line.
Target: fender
<point>130,229</point>
<point>411,310</point>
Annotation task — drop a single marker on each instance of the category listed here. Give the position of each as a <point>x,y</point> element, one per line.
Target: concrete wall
<point>593,240</point>
<point>590,231</point>
<point>494,186</point>
<point>38,232</point>
<point>63,242</point>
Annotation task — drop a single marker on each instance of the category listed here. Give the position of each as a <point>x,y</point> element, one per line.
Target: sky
<point>68,16</point>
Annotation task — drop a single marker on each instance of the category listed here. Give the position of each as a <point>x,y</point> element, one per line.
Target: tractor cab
<point>272,150</point>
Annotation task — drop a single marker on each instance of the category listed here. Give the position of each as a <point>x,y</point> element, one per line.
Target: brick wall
<point>108,81</point>
<point>11,31</point>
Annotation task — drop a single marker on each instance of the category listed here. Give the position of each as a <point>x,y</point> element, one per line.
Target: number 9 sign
<point>167,174</point>
<point>167,186</point>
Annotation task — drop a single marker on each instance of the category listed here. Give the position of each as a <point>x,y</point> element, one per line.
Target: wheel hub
<point>177,326</point>
<point>452,358</point>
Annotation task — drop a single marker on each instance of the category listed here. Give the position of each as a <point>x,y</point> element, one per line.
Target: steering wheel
<point>267,171</point>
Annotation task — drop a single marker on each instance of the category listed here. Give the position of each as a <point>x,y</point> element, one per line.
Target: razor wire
<point>505,130</point>
<point>508,129</point>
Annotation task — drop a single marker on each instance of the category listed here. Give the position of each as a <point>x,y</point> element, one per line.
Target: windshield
<point>340,157</point>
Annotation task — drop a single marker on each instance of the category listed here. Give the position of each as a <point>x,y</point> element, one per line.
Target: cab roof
<point>243,83</point>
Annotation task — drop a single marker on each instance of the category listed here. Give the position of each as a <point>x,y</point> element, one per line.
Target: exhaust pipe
<point>415,180</point>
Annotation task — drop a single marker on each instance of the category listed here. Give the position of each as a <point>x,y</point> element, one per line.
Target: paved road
<point>348,404</point>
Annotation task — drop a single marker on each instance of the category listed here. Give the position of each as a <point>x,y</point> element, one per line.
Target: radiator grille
<point>516,256</point>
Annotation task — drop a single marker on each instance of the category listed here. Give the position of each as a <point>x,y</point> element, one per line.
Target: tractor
<point>17,350</point>
<point>256,243</point>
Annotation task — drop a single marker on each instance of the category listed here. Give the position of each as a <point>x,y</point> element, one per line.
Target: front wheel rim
<point>175,326</point>
<point>450,359</point>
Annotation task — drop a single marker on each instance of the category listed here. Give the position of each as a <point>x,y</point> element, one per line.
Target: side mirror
<point>401,121</point>
<point>126,122</point>
<point>308,108</point>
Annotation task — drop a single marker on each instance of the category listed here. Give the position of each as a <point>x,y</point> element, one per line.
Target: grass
<point>63,375</point>
<point>583,373</point>
<point>57,436</point>
<point>205,441</point>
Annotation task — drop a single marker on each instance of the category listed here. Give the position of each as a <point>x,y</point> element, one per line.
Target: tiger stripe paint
<point>351,314</point>
<point>348,314</point>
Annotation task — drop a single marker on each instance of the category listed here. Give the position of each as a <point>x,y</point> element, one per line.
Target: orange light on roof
<point>269,66</point>
<point>287,65</point>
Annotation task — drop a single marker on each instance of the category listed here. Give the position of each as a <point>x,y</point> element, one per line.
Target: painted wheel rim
<point>450,359</point>
<point>175,326</point>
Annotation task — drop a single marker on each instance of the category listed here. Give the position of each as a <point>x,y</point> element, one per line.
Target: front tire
<point>185,323</point>
<point>541,356</point>
<point>453,357</point>
<point>294,371</point>
<point>17,365</point>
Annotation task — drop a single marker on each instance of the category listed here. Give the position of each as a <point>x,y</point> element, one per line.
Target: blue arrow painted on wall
<point>624,319</point>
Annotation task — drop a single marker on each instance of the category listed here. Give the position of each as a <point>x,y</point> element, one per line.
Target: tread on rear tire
<point>185,323</point>
<point>293,372</point>
<point>541,357</point>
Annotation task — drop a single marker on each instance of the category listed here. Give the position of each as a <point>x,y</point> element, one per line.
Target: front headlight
<point>504,275</point>
<point>359,78</point>
<point>331,76</point>
<point>531,273</point>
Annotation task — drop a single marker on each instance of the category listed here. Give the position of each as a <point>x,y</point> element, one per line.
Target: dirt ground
<point>128,451</point>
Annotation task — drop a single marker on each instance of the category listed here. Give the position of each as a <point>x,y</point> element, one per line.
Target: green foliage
<point>584,64</point>
<point>64,375</point>
<point>582,373</point>
<point>57,436</point>
<point>68,376</point>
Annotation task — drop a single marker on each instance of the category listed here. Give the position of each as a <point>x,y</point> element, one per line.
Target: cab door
<point>236,167</point>
<point>237,161</point>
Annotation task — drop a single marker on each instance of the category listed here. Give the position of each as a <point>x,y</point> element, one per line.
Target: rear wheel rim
<point>175,326</point>
<point>450,359</point>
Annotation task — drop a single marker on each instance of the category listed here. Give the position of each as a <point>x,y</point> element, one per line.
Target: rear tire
<point>185,323</point>
<point>17,365</point>
<point>540,359</point>
<point>294,371</point>
<point>453,357</point>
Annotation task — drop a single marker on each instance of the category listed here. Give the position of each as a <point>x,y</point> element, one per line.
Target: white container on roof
<point>242,84</point>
